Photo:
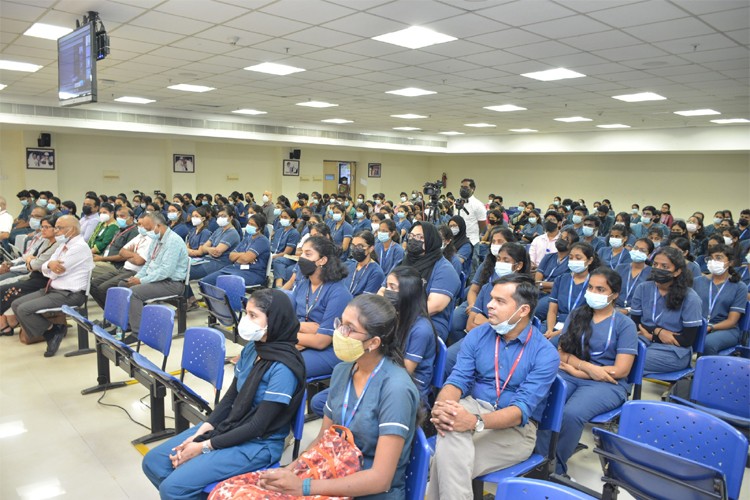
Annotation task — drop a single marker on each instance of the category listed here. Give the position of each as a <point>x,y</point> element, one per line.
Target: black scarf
<point>460,239</point>
<point>425,263</point>
<point>283,327</point>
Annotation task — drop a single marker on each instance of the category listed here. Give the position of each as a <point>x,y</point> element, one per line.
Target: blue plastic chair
<point>418,468</point>
<point>438,367</point>
<point>157,324</point>
<point>698,344</point>
<point>519,488</point>
<point>203,355</point>
<point>234,287</point>
<point>117,306</point>
<point>551,421</point>
<point>721,387</point>
<point>699,438</point>
<point>635,377</point>
<point>744,329</point>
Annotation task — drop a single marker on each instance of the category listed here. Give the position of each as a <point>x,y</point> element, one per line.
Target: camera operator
<point>472,211</point>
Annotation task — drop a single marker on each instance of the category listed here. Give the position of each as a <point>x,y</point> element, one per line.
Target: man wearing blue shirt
<point>488,410</point>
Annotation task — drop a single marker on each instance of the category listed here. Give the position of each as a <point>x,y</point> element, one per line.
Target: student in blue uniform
<point>176,220</point>
<point>403,224</point>
<point>590,230</point>
<point>283,243</point>
<point>597,349</point>
<point>615,254</point>
<point>249,258</point>
<point>743,270</point>
<point>390,252</point>
<point>532,228</point>
<point>683,245</point>
<point>365,274</point>
<point>634,273</point>
<point>341,230</point>
<point>569,289</point>
<point>198,233</point>
<point>623,218</point>
<point>579,214</point>
<point>552,266</point>
<point>464,248</point>
<point>246,430</point>
<point>319,296</point>
<point>361,219</point>
<point>449,251</point>
<point>696,235</point>
<point>649,220</point>
<point>724,298</point>
<point>667,312</point>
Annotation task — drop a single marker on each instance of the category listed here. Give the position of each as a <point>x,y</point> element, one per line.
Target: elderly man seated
<point>11,271</point>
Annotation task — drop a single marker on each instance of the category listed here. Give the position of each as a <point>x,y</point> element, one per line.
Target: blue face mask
<point>172,216</point>
<point>577,219</point>
<point>277,211</point>
<point>24,202</point>
<point>152,235</point>
<point>588,231</point>
<point>401,215</point>
<point>360,215</point>
<point>121,223</point>
<point>284,222</point>
<point>65,211</point>
<point>336,217</point>
<point>251,230</point>
<point>204,202</point>
<point>383,236</point>
<point>142,231</point>
<point>51,206</point>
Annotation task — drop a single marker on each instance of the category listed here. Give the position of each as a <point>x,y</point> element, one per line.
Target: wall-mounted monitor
<point>76,66</point>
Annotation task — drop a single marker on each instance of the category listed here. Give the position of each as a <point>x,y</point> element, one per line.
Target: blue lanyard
<point>355,282</point>
<point>281,239</point>
<point>609,338</point>
<point>712,303</point>
<point>316,296</point>
<point>743,233</point>
<point>344,421</point>
<point>387,251</point>
<point>653,307</point>
<point>628,288</point>
<point>580,294</point>
<point>618,260</point>
<point>557,266</point>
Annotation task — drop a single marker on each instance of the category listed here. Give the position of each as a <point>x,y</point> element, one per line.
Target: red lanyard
<point>498,389</point>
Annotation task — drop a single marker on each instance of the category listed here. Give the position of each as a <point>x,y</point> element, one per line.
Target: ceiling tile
<point>141,34</point>
<point>599,41</point>
<point>519,13</point>
<point>507,38</point>
<point>266,24</point>
<point>364,25</point>
<point>729,20</point>
<point>592,5</point>
<point>239,37</point>
<point>638,13</point>
<point>467,25</point>
<point>108,10</point>
<point>542,50</point>
<point>322,37</point>
<point>717,55</point>
<point>201,10</point>
<point>413,12</point>
<point>740,36</point>
<point>21,12</point>
<point>702,7</point>
<point>630,52</point>
<point>494,58</point>
<point>669,30</point>
<point>697,44</point>
<point>569,26</point>
<point>170,23</point>
<point>310,12</point>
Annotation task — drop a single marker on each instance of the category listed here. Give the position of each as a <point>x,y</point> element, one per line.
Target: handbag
<point>335,455</point>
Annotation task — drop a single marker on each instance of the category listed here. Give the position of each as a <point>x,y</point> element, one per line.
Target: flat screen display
<point>76,66</point>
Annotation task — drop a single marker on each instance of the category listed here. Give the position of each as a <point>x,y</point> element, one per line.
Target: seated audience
<point>634,273</point>
<point>283,243</point>
<point>250,258</point>
<point>365,274</point>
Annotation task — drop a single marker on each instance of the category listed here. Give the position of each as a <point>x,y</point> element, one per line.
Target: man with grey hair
<point>165,269</point>
<point>6,224</point>
<point>68,271</point>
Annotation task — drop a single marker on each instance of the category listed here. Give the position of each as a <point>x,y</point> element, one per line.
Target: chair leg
<point>477,488</point>
<point>181,316</point>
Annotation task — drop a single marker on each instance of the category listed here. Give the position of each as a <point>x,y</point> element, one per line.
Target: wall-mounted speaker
<point>295,154</point>
<point>44,141</point>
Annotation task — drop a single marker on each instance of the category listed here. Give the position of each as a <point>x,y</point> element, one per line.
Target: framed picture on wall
<point>290,167</point>
<point>183,164</point>
<point>40,158</point>
<point>373,169</point>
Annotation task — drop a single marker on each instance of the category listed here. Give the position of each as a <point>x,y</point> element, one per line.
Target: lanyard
<point>498,389</point>
<point>281,239</point>
<point>712,303</point>
<point>743,233</point>
<point>387,251</point>
<point>156,250</point>
<point>580,294</point>
<point>618,260</point>
<point>653,307</point>
<point>551,275</point>
<point>344,421</point>
<point>609,338</point>
<point>355,282</point>
<point>316,296</point>
<point>628,288</point>
<point>119,233</point>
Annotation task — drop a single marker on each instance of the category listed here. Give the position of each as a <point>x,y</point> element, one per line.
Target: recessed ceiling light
<point>409,116</point>
<point>191,88</point>
<point>523,130</point>
<point>479,125</point>
<point>134,100</point>
<point>571,119</point>
<point>614,125</point>
<point>2,86</point>
<point>337,120</point>
<point>697,112</point>
<point>411,92</point>
<point>10,429</point>
<point>505,108</point>
<point>451,132</point>
<point>407,128</point>
<point>553,74</point>
<point>246,111</point>
<point>19,66</point>
<point>414,37</point>
<point>274,69</point>
<point>725,121</point>
<point>317,104</point>
<point>640,97</point>
<point>47,31</point>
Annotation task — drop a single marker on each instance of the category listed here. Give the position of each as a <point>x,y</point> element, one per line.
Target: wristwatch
<point>479,426</point>
<point>205,449</point>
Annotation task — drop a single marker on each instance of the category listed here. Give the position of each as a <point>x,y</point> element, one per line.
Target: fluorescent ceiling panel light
<point>47,31</point>
<point>317,104</point>
<point>697,112</point>
<point>2,86</point>
<point>274,69</point>
<point>452,132</point>
<point>134,100</point>
<point>42,490</point>
<point>337,121</point>
<point>640,97</point>
<point>479,125</point>
<point>505,108</point>
<point>249,112</point>
<point>411,92</point>
<point>523,130</point>
<point>553,74</point>
<point>614,125</point>
<point>414,37</point>
<point>19,66</point>
<point>10,429</point>
<point>191,88</point>
<point>406,128</point>
<point>725,121</point>
<point>572,119</point>
<point>409,116</point>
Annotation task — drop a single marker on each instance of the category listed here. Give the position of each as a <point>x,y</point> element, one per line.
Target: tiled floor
<point>56,443</point>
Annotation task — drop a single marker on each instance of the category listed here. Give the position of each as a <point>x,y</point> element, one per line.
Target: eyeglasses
<point>345,330</point>
<point>46,227</point>
<point>417,237</point>
<point>359,247</point>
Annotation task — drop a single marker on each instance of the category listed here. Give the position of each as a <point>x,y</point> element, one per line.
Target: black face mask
<point>465,193</point>
<point>392,297</point>
<point>304,217</point>
<point>661,276</point>
<point>358,254</point>
<point>415,248</point>
<point>306,266</point>
<point>550,226</point>
<point>561,245</point>
<point>492,222</point>
<point>86,210</point>
<point>743,222</point>
<point>675,235</point>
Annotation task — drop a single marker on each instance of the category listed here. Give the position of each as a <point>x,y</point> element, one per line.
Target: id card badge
<point>244,267</point>
<point>559,325</point>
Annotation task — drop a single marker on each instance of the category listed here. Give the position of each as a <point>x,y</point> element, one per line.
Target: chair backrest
<point>117,306</point>
<point>722,383</point>
<point>687,433</point>
<point>534,489</point>
<point>438,367</point>
<point>218,304</point>
<point>537,323</point>
<point>203,355</point>
<point>418,468</point>
<point>553,411</point>
<point>269,271</point>
<point>157,325</point>
<point>700,338</point>
<point>745,321</point>
<point>636,371</point>
<point>187,274</point>
<point>234,286</point>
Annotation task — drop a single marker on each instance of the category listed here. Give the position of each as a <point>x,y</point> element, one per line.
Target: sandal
<point>8,331</point>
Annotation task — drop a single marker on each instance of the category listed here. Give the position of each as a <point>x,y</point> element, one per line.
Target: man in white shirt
<point>6,223</point>
<point>68,271</point>
<point>472,212</point>
<point>545,243</point>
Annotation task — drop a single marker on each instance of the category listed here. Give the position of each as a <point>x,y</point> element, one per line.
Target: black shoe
<point>54,340</point>
<point>130,338</point>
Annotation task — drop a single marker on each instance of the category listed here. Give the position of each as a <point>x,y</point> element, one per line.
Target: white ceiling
<point>694,52</point>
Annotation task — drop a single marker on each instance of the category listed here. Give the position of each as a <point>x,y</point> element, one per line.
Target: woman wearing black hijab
<point>464,248</point>
<point>247,429</point>
<point>442,284</point>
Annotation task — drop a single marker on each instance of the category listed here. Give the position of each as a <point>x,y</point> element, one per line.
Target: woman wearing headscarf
<point>424,253</point>
<point>464,248</point>
<point>247,429</point>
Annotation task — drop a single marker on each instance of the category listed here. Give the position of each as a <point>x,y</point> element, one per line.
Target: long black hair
<point>488,269</point>
<point>450,249</point>
<point>412,302</point>
<point>369,238</point>
<point>683,244</point>
<point>378,317</point>
<point>579,325</point>
<point>734,276</point>
<point>680,284</point>
<point>589,252</point>
<point>333,269</point>
<point>518,253</point>
<point>395,235</point>
<point>229,210</point>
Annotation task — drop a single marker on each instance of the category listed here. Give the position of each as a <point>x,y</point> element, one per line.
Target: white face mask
<point>596,300</point>
<point>375,226</point>
<point>455,231</point>
<point>196,221</point>
<point>495,249</point>
<point>691,227</point>
<point>716,267</point>
<point>577,266</point>
<point>505,327</point>
<point>265,199</point>
<point>403,199</point>
<point>615,242</point>
<point>728,241</point>
<point>104,217</point>
<point>250,330</point>
<point>503,268</point>
<point>222,221</point>
<point>638,256</point>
